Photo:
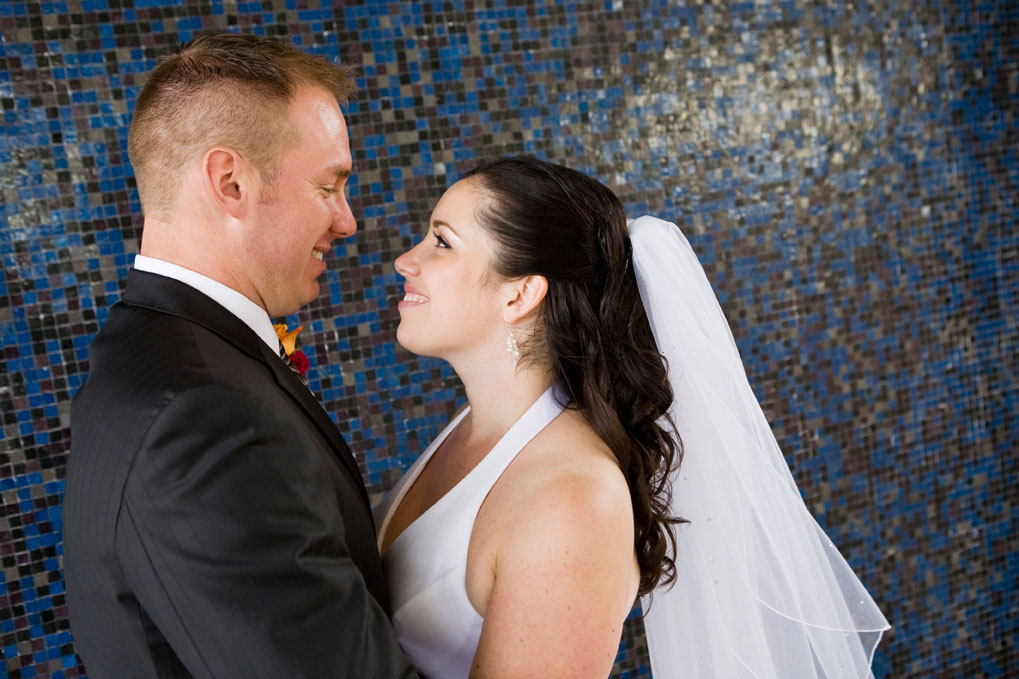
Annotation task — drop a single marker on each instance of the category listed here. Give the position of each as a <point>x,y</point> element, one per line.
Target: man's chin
<point>312,295</point>
<point>281,309</point>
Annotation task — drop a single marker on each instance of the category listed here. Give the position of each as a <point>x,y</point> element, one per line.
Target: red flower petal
<point>300,361</point>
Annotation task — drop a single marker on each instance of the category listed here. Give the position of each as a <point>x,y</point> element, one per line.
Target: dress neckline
<point>407,482</point>
<point>536,417</point>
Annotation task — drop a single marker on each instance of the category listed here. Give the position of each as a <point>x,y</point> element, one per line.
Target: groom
<point>215,523</point>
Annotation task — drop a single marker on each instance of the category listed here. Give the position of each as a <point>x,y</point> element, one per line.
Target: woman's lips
<point>411,297</point>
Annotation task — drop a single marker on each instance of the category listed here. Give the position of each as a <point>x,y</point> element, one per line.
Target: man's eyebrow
<point>339,171</point>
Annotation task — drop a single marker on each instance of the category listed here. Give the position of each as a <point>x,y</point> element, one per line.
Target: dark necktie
<point>286,359</point>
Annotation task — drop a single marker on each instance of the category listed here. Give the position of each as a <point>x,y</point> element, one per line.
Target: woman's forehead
<point>459,206</point>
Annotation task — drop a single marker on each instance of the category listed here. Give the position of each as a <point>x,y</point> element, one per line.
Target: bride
<point>517,542</point>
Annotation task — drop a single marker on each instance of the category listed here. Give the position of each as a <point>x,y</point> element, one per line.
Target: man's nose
<point>344,225</point>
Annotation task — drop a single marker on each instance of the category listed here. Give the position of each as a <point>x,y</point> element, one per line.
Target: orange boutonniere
<point>288,338</point>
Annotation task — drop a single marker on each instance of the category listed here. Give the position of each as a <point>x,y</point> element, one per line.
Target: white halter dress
<point>426,565</point>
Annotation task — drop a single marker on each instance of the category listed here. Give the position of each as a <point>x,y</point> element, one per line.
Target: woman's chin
<point>407,341</point>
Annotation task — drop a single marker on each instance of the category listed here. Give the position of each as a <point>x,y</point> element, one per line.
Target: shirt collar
<point>254,316</point>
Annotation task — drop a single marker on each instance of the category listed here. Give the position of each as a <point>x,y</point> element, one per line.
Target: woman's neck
<point>500,394</point>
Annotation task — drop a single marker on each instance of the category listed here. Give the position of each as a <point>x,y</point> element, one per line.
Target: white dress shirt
<point>240,306</point>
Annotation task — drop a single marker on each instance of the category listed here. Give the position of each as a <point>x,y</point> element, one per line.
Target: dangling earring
<point>511,345</point>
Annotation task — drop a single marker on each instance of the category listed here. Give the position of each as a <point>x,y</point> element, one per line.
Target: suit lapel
<point>170,296</point>
<point>292,384</point>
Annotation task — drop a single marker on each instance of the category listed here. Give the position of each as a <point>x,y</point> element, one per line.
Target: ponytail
<point>549,220</point>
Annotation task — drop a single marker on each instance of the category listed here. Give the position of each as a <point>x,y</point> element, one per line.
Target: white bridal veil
<point>761,592</point>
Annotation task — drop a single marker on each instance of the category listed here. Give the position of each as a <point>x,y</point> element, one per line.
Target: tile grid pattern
<point>847,174</point>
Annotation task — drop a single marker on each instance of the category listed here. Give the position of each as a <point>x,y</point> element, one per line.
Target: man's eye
<point>329,189</point>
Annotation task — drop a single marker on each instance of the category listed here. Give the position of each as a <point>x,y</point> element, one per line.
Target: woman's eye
<point>439,242</point>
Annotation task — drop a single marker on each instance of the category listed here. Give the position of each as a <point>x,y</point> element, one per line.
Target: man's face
<point>303,211</point>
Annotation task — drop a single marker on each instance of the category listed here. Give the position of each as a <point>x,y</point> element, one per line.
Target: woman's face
<point>451,307</point>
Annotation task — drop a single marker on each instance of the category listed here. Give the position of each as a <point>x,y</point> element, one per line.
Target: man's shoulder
<point>148,335</point>
<point>145,361</point>
<point>139,343</point>
<point>144,354</point>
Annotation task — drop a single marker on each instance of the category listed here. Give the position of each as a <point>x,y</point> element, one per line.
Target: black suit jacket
<point>215,523</point>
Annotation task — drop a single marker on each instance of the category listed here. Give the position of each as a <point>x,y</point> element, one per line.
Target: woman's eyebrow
<point>439,222</point>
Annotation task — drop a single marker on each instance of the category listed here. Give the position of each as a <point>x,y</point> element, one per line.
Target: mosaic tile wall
<point>846,171</point>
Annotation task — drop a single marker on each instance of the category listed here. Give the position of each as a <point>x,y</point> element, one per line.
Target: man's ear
<point>228,180</point>
<point>524,295</point>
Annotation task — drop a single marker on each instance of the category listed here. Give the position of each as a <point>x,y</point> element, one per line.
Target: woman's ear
<point>524,296</point>
<point>228,180</point>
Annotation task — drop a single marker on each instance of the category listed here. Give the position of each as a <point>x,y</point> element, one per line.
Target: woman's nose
<point>405,264</point>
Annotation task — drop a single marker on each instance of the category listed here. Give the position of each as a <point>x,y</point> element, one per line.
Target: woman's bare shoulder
<point>567,472</point>
<point>561,512</point>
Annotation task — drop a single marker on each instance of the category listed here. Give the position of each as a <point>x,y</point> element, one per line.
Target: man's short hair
<point>222,89</point>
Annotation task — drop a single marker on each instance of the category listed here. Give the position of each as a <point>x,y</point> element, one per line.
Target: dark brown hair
<point>222,89</point>
<point>552,221</point>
